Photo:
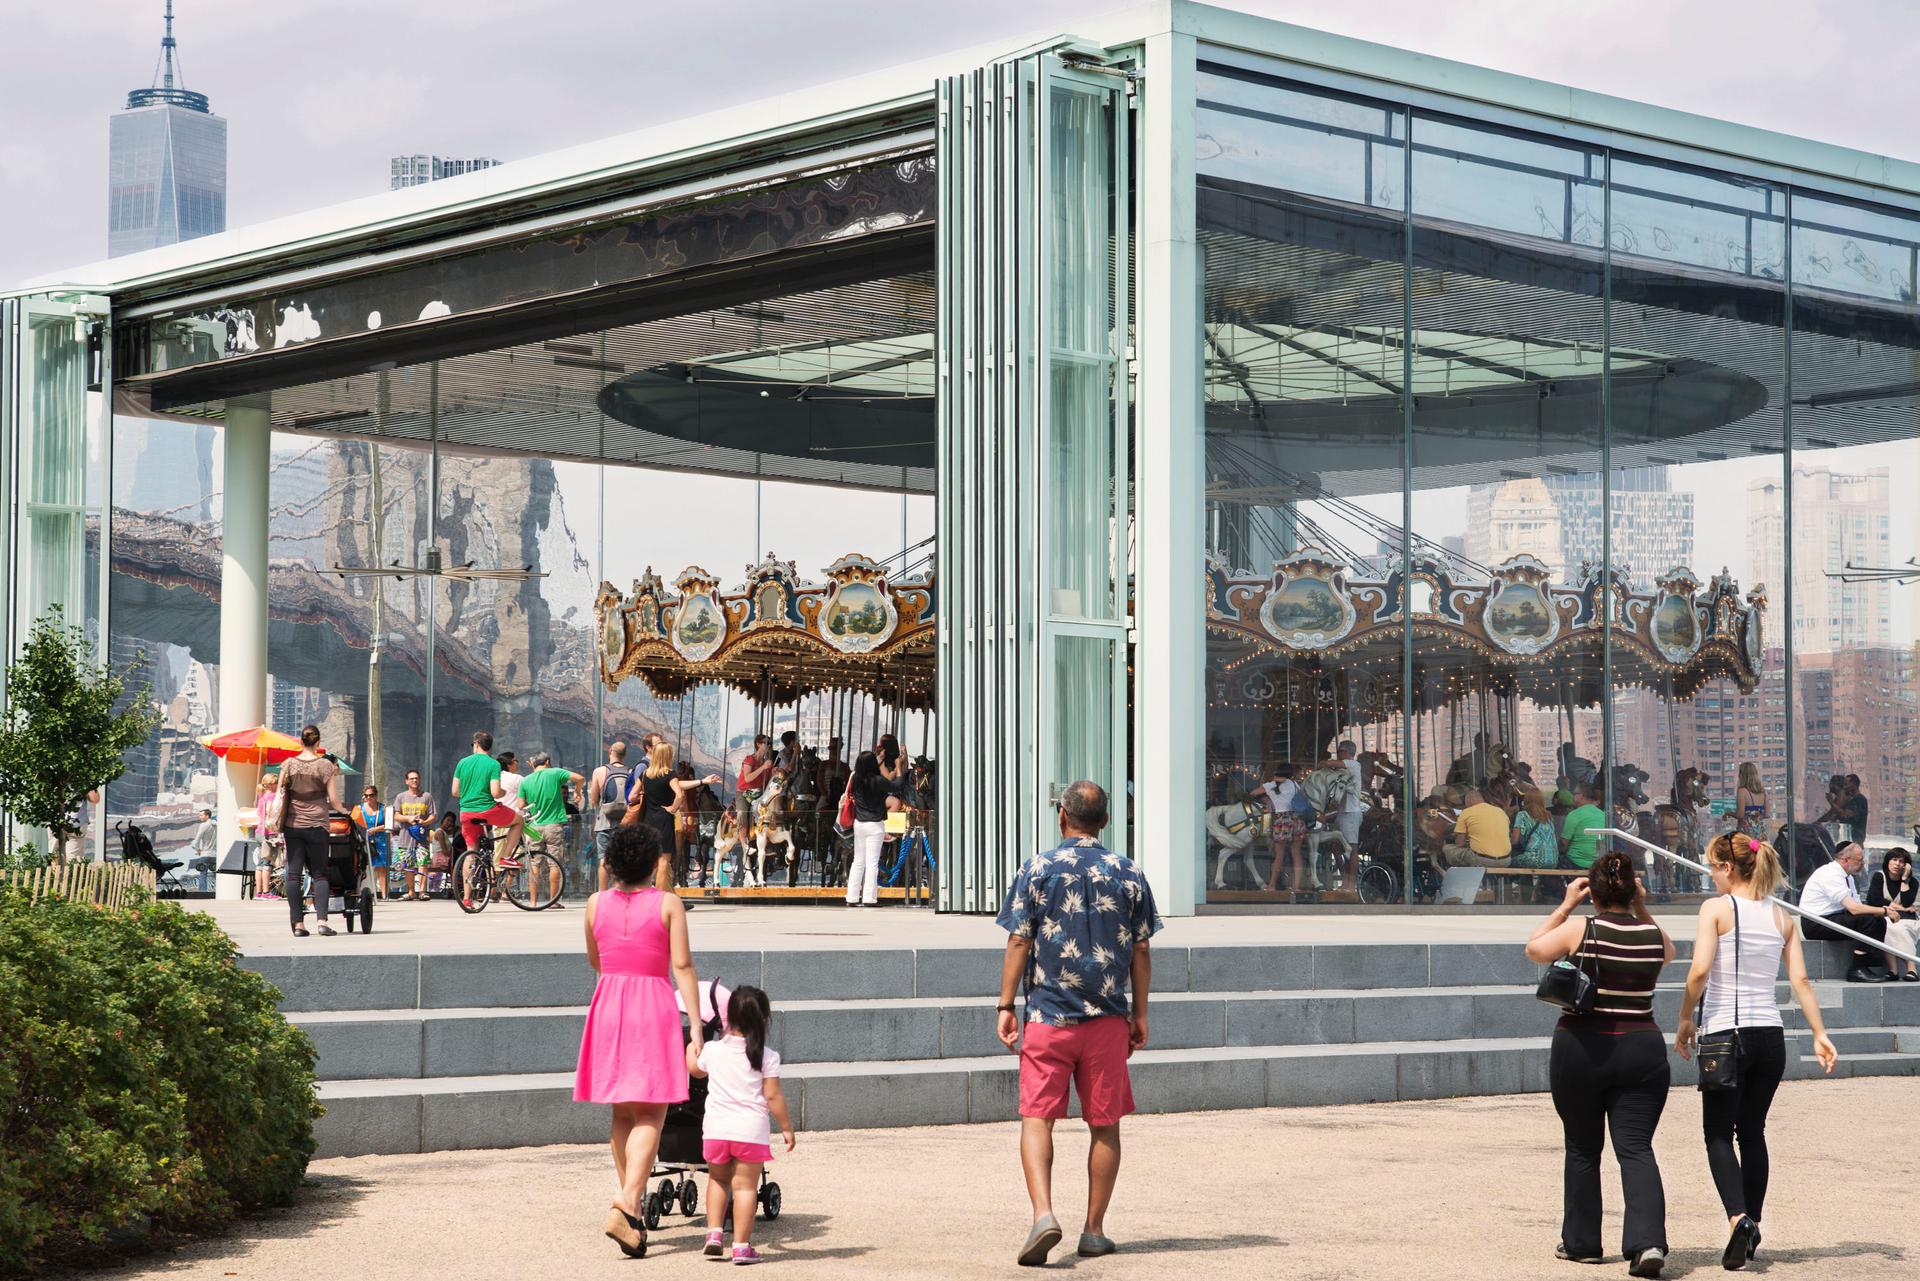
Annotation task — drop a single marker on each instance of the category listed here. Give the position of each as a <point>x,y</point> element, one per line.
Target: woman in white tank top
<point>1736,963</point>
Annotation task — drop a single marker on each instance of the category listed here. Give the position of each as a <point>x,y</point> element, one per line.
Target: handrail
<point>1795,908</point>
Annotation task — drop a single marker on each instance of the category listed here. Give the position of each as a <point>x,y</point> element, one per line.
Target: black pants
<point>1621,1082</point>
<point>1874,927</point>
<point>1742,1113</point>
<point>306,851</point>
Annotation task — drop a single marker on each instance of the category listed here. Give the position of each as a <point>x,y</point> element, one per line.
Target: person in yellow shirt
<point>1483,835</point>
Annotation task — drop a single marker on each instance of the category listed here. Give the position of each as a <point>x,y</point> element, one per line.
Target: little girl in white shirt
<point>743,1100</point>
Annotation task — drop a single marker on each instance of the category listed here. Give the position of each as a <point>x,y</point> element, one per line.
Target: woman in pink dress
<point>632,1054</point>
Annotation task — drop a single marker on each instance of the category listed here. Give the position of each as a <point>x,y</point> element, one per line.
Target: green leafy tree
<point>62,736</point>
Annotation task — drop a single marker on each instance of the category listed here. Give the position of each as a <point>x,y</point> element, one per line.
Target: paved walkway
<point>260,928</point>
<point>1408,1190</point>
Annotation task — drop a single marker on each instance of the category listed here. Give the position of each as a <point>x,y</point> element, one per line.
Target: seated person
<point>1579,841</point>
<point>1483,835</point>
<point>1536,838</point>
<point>1894,886</point>
<point>1831,896</point>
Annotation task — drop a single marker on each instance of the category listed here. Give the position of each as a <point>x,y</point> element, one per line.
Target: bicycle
<point>530,886</point>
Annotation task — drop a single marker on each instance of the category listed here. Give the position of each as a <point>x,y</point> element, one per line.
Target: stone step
<point>484,1041</point>
<point>446,1113</point>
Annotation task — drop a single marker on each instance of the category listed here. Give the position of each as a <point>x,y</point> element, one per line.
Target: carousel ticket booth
<point>1266,402</point>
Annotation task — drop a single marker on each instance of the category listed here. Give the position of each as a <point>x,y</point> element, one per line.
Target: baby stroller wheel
<point>650,1213</point>
<point>770,1201</point>
<point>689,1198</point>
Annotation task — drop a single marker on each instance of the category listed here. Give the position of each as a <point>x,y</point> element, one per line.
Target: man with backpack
<point>607,793</point>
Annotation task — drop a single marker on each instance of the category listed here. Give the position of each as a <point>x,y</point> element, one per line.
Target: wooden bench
<point>1504,877</point>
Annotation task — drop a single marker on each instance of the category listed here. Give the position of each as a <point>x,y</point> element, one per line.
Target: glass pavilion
<point>1253,390</point>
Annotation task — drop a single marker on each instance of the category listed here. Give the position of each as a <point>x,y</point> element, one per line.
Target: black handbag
<point>1568,987</point>
<point>1719,1055</point>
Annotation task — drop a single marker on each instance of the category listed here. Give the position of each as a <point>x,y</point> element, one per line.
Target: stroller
<point>137,847</point>
<point>352,893</point>
<point>680,1157</point>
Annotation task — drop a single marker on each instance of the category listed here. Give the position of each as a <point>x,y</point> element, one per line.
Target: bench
<point>1505,877</point>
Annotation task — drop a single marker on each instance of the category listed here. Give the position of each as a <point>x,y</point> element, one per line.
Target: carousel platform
<point>434,1035</point>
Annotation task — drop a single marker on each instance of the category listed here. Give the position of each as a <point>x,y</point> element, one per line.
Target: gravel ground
<point>1406,1190</point>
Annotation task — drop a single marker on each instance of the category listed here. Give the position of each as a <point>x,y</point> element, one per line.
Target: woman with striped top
<point>1609,1068</point>
<point>1737,979</point>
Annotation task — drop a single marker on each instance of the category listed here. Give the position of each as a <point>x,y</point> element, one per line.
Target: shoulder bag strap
<point>1736,961</point>
<point>1588,936</point>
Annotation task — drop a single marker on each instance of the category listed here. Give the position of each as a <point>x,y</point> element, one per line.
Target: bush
<point>145,1079</point>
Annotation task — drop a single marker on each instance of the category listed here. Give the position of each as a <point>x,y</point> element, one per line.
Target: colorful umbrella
<point>257,746</point>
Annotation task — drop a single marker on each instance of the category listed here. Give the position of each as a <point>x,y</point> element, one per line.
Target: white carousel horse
<point>1234,827</point>
<point>770,827</point>
<point>1328,786</point>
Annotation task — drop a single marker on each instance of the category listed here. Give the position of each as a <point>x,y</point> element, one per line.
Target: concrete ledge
<point>368,1126</point>
<point>885,1095</point>
<point>488,1046</point>
<point>340,981</point>
<point>507,980</point>
<point>1360,965</point>
<point>838,976</point>
<point>1247,969</point>
<point>371,1048</point>
<point>957,971</point>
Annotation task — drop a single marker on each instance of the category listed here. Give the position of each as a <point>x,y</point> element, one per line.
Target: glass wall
<point>1519,455</point>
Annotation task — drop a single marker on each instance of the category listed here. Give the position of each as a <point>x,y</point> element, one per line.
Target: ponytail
<point>1756,862</point>
<point>748,1014</point>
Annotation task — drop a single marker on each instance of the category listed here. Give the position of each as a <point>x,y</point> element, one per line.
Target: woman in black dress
<point>1894,886</point>
<point>659,792</point>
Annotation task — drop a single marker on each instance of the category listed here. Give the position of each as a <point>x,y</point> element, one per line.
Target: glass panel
<point>1508,499</point>
<point>163,597</point>
<point>1079,480</point>
<point>1304,356</point>
<point>1698,435</point>
<point>1081,674</point>
<point>1079,216</point>
<point>1255,130</point>
<point>57,468</point>
<point>1507,182</point>
<point>1856,333</point>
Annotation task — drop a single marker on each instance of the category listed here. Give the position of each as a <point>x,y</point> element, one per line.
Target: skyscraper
<point>166,163</point>
<point>1839,518</point>
<point>412,171</point>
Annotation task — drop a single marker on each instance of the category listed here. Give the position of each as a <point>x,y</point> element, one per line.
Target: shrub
<point>145,1079</point>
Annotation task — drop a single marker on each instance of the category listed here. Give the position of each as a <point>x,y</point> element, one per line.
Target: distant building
<point>412,171</point>
<point>1839,518</point>
<point>166,164</point>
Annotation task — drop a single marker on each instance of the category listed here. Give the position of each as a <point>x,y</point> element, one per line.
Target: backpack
<point>1301,803</point>
<point>613,793</point>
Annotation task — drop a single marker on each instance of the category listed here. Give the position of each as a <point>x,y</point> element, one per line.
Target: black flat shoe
<point>1560,1252</point>
<point>325,931</point>
<point>1739,1245</point>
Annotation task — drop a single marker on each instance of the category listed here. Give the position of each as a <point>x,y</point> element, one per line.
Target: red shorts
<point>723,1151</point>
<point>498,816</point>
<point>1092,1055</point>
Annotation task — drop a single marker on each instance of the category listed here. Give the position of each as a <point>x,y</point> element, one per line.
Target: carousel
<point>855,651</point>
<point>1312,651</point>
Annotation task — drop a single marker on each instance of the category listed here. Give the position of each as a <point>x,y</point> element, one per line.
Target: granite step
<point>509,1110</point>
<point>482,1041</point>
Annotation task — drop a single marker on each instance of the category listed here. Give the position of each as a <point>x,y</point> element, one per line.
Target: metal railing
<point>1795,908</point>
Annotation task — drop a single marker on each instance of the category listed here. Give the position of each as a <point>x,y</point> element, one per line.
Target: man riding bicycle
<point>476,781</point>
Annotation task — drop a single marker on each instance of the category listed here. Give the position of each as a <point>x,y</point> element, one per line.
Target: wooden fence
<point>108,884</point>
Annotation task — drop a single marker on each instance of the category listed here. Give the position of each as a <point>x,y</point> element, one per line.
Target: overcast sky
<point>319,93</point>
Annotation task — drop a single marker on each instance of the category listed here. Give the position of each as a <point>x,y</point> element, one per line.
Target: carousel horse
<point>1327,785</point>
<point>1433,821</point>
<point>1486,761</point>
<point>772,826</point>
<point>1676,824</point>
<point>1575,769</point>
<point>1379,776</point>
<point>1234,827</point>
<point>697,824</point>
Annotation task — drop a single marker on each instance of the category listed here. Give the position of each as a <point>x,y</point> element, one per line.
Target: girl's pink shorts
<point>721,1151</point>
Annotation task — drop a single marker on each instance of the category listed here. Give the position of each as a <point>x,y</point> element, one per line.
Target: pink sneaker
<point>716,1245</point>
<point>745,1254</point>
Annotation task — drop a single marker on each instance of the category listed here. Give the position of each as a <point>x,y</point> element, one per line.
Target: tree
<point>62,737</point>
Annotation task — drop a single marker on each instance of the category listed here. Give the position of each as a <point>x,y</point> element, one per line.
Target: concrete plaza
<point>260,928</point>
<point>1408,1190</point>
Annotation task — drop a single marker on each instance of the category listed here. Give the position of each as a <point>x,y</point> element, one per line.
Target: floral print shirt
<point>1084,907</point>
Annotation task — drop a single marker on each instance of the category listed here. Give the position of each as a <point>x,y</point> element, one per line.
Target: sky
<point>319,93</point>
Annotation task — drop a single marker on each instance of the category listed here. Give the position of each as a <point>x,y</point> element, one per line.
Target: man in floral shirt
<point>1078,919</point>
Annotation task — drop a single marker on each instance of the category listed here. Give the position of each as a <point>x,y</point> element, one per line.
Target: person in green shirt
<point>544,793</point>
<point>476,781</point>
<point>1578,837</point>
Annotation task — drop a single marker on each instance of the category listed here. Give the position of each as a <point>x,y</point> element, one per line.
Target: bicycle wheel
<point>536,883</point>
<point>472,882</point>
<point>1378,884</point>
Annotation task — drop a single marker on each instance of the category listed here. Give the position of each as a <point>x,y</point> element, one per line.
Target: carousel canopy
<point>775,638</point>
<point>1516,633</point>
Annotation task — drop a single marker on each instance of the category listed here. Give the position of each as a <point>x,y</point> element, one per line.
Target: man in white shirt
<point>1831,895</point>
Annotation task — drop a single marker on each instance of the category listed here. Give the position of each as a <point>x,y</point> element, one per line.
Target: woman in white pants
<point>872,797</point>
